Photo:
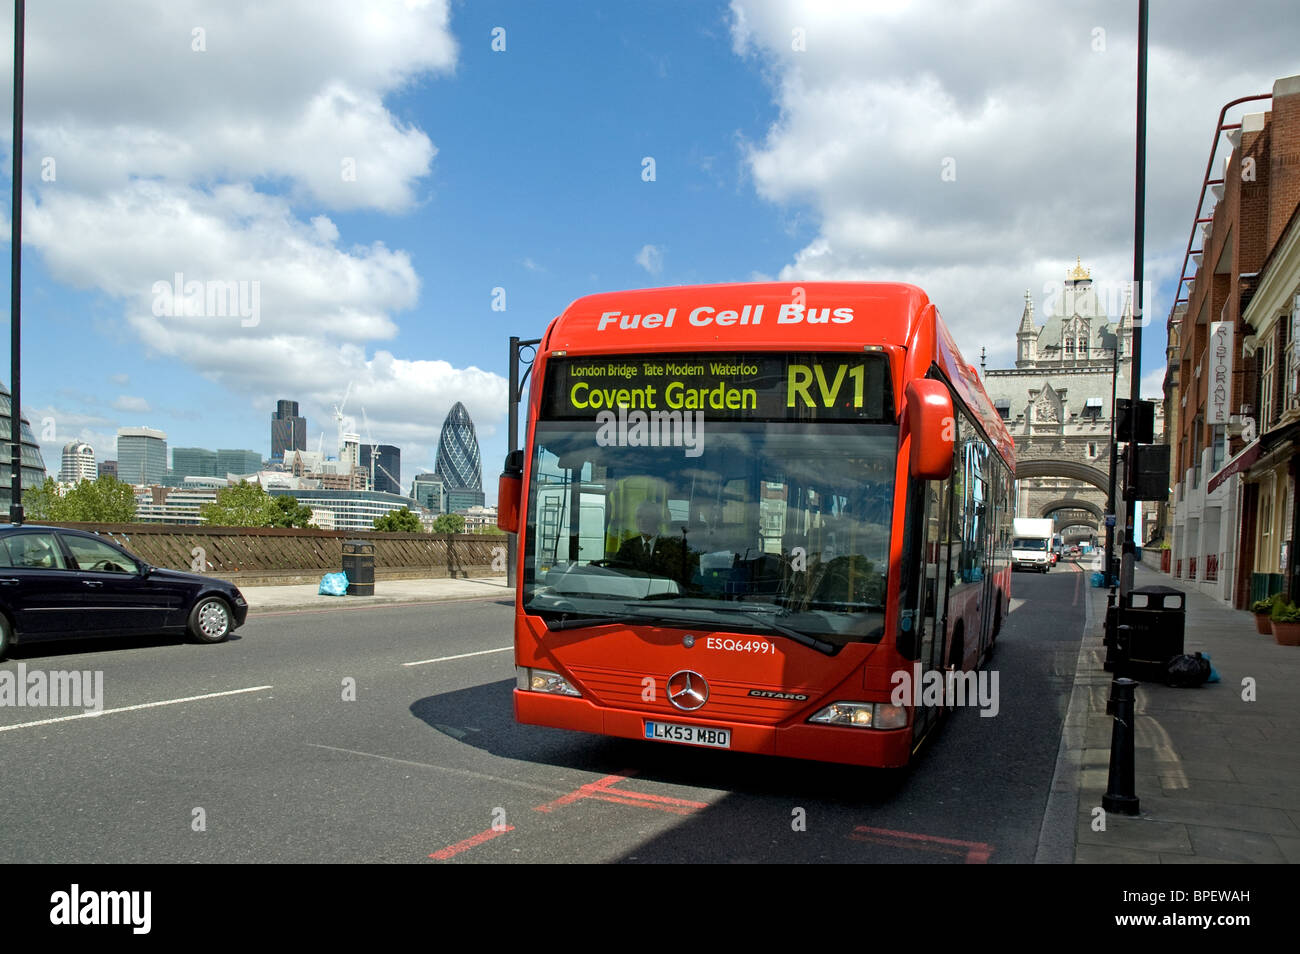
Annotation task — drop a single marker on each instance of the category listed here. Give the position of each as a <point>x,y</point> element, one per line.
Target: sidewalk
<point>298,596</point>
<point>1218,776</point>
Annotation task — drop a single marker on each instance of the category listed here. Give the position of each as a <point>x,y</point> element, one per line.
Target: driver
<point>639,551</point>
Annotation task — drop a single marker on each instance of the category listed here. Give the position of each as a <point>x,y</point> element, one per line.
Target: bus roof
<point>831,316</point>
<point>615,322</point>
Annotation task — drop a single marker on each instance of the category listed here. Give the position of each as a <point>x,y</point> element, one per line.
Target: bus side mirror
<point>510,492</point>
<point>933,428</point>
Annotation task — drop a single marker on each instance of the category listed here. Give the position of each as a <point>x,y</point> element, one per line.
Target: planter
<point>1263,625</point>
<point>1287,634</point>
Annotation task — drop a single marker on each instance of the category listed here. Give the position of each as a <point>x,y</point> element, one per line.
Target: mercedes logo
<point>687,690</point>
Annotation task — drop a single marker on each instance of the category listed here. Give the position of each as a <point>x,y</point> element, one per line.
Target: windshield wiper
<point>570,620</point>
<point>804,639</point>
<point>578,622</point>
<point>812,642</point>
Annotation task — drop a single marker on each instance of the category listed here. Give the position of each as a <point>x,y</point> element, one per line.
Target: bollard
<point>1109,638</point>
<point>1120,795</point>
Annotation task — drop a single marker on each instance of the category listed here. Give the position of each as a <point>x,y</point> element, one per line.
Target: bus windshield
<point>774,526</point>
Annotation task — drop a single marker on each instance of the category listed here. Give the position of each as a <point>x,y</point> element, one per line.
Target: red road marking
<point>585,791</point>
<point>603,790</point>
<point>443,854</point>
<point>975,852</point>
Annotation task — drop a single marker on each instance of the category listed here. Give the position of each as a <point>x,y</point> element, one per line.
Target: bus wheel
<point>997,615</point>
<point>955,657</point>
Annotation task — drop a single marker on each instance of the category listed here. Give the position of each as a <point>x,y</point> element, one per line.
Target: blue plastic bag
<point>334,584</point>
<point>1214,673</point>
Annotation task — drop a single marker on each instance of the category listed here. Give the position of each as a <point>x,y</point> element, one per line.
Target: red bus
<point>751,516</point>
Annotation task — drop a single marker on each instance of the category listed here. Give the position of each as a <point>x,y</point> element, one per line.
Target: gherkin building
<point>32,462</point>
<point>459,464</point>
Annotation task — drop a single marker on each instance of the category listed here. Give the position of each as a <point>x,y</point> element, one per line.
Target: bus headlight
<point>863,715</point>
<point>543,680</point>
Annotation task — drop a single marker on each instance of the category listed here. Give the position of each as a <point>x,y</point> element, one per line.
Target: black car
<point>57,583</point>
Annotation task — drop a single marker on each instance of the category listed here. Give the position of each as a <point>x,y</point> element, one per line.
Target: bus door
<point>986,510</point>
<point>932,616</point>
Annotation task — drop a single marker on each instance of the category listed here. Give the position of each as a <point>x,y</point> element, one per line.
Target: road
<point>272,762</point>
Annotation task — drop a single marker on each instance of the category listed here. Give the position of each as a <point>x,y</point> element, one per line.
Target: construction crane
<point>339,419</point>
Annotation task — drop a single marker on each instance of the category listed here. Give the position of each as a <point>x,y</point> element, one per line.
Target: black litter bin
<point>359,565</point>
<point>1151,624</point>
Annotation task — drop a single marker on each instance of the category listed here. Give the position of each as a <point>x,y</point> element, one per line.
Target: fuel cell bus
<point>754,517</point>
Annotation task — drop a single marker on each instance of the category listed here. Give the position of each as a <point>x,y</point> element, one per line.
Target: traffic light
<point>1148,472</point>
<point>1135,423</point>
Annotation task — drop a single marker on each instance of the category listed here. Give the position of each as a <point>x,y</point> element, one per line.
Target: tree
<point>492,529</point>
<point>243,505</point>
<point>106,500</point>
<point>399,521</point>
<point>449,523</point>
<point>290,513</point>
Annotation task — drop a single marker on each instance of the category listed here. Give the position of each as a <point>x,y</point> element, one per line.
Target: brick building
<point>1232,401</point>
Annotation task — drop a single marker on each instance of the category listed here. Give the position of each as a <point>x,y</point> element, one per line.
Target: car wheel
<point>5,637</point>
<point>210,620</point>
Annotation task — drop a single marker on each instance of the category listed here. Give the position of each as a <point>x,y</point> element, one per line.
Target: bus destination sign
<point>764,387</point>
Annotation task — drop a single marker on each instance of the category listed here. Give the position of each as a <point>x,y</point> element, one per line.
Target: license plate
<point>688,734</point>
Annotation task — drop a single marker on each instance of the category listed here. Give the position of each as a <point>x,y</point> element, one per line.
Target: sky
<point>371,198</point>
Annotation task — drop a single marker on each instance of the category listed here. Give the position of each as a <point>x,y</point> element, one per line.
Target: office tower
<point>459,464</point>
<point>141,455</point>
<point>33,464</point>
<point>78,463</point>
<point>288,429</point>
<point>387,467</point>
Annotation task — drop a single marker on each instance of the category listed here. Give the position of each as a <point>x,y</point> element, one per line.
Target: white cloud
<point>222,166</point>
<point>977,149</point>
<point>651,258</point>
<point>130,404</point>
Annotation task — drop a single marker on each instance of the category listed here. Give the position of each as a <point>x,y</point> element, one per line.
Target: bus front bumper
<point>822,743</point>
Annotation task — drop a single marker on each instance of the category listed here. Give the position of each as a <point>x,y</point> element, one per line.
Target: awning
<point>1235,466</point>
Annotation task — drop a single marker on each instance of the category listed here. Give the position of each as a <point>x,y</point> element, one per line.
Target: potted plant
<point>1286,624</point>
<point>1262,609</point>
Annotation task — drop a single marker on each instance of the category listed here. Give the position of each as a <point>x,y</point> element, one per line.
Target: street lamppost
<point>1111,341</point>
<point>15,284</point>
<point>1139,317</point>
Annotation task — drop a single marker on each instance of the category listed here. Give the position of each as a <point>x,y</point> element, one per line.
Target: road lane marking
<point>467,773</point>
<point>481,652</point>
<point>442,854</point>
<point>974,852</point>
<point>142,705</point>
